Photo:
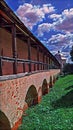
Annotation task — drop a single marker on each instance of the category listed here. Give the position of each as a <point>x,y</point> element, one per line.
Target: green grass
<point>55,112</point>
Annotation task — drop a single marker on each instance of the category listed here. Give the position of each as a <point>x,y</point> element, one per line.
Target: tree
<point>71,53</point>
<point>68,68</point>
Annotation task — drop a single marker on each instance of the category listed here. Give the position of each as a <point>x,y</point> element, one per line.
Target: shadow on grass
<point>65,101</point>
<point>70,87</point>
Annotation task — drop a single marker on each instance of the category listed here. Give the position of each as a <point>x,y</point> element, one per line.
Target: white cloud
<point>65,22</point>
<point>61,39</point>
<point>62,42</point>
<point>68,13</point>
<point>47,8</point>
<point>32,14</point>
<point>44,27</point>
<point>55,16</point>
<point>56,38</point>
<point>61,22</point>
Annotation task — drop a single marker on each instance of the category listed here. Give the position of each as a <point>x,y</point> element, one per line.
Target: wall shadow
<point>4,122</point>
<point>70,87</point>
<point>65,101</point>
<point>50,82</point>
<point>54,79</point>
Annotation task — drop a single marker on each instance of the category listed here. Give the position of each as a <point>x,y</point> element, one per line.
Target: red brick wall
<point>5,43</point>
<point>7,68</point>
<point>22,53</point>
<point>6,50</point>
<point>13,93</point>
<point>41,57</point>
<point>33,54</point>
<point>22,49</point>
<point>19,68</point>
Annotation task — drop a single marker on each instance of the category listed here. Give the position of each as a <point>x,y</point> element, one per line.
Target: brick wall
<point>13,90</point>
<point>22,53</point>
<point>5,43</point>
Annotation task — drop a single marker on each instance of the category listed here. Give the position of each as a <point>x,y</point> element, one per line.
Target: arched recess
<point>4,122</point>
<point>54,79</point>
<point>50,82</point>
<point>31,96</point>
<point>44,87</point>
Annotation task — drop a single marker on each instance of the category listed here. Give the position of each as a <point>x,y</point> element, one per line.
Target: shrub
<point>68,68</point>
<point>71,53</point>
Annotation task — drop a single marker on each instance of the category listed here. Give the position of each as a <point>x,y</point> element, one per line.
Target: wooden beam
<point>38,57</point>
<point>47,62</point>
<point>0,66</point>
<point>34,67</point>
<point>29,53</point>
<point>43,61</point>
<point>24,67</point>
<point>5,25</point>
<point>14,48</point>
<point>1,51</point>
<point>0,20</point>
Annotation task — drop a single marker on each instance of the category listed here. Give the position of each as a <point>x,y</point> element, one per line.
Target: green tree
<point>71,53</point>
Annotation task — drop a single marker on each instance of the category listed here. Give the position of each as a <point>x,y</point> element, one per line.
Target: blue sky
<point>51,21</point>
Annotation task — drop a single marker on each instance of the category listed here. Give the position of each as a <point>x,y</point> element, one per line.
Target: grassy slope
<point>55,112</point>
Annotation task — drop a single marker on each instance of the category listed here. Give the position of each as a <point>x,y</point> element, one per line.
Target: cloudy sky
<point>51,21</point>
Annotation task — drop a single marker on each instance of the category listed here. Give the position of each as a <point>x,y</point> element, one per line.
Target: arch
<point>44,87</point>
<point>54,79</point>
<point>31,96</point>
<point>50,82</point>
<point>4,122</point>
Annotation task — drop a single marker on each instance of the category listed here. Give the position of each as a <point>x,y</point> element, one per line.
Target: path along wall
<point>15,91</point>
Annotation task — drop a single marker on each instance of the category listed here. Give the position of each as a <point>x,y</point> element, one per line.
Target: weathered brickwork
<point>13,93</point>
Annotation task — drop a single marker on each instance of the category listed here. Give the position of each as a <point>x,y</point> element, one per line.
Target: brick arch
<point>4,122</point>
<point>51,82</point>
<point>54,79</point>
<point>44,87</point>
<point>31,96</point>
<point>39,94</point>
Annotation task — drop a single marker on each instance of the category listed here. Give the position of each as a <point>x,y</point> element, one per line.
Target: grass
<point>55,112</point>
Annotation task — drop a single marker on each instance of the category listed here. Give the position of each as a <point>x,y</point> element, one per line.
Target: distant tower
<point>60,57</point>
